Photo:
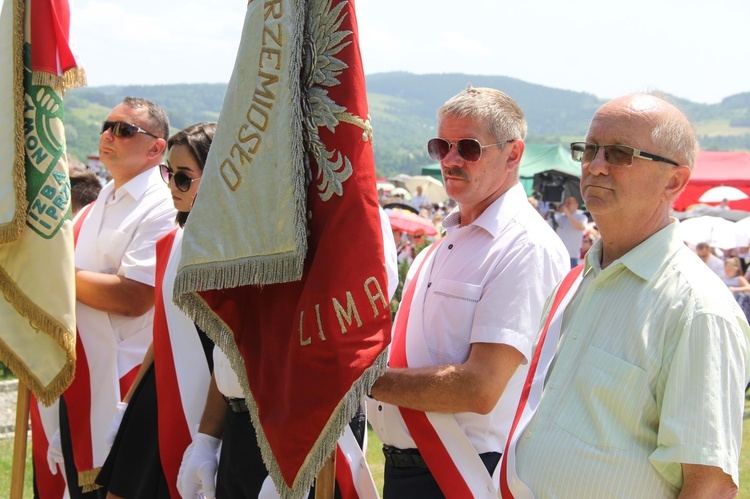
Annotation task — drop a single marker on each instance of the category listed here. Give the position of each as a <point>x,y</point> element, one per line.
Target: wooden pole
<point>19,441</point>
<point>325,483</point>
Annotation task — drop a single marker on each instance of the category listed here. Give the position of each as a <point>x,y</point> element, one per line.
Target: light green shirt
<point>650,373</point>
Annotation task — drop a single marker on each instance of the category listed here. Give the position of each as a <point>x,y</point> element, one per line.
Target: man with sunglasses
<point>645,395</point>
<point>469,311</point>
<point>115,270</point>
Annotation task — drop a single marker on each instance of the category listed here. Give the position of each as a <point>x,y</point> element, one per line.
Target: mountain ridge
<point>402,107</point>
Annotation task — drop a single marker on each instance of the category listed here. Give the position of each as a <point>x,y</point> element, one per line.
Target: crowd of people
<point>531,356</point>
<point>731,266</point>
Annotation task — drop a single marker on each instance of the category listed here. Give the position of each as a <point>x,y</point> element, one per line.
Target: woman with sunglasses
<point>158,416</point>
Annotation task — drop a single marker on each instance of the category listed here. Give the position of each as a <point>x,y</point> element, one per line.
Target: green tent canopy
<point>537,158</point>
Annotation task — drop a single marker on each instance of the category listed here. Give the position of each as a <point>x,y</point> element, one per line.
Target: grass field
<point>374,458</point>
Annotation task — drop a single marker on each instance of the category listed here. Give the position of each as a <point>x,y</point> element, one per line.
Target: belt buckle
<point>401,459</point>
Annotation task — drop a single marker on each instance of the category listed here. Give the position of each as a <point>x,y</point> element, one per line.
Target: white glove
<point>198,469</point>
<point>115,425</point>
<point>54,453</point>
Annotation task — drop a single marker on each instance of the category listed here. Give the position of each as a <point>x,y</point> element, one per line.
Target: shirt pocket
<point>114,243</point>
<point>606,405</point>
<point>454,306</point>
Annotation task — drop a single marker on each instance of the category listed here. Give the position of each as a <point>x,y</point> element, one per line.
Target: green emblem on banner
<point>47,182</point>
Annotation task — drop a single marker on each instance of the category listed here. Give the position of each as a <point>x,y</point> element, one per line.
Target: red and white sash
<point>103,372</point>
<point>450,456</point>
<point>181,370</point>
<point>510,485</point>
<point>45,422</point>
<point>352,473</point>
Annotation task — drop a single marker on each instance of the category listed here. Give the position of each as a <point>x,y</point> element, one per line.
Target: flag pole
<point>19,441</point>
<point>325,484</point>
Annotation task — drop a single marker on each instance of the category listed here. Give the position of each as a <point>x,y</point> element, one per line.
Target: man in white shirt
<point>469,311</point>
<point>115,259</point>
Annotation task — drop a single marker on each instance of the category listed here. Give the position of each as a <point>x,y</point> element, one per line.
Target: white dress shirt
<point>489,281</point>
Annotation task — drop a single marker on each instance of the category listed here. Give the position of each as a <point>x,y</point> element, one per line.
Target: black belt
<point>403,458</point>
<point>237,405</point>
<point>411,458</point>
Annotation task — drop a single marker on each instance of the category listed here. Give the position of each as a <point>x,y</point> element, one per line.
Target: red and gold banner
<point>306,347</point>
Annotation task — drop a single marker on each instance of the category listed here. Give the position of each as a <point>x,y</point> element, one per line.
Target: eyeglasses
<point>616,155</point>
<point>181,180</point>
<point>122,129</point>
<point>469,149</point>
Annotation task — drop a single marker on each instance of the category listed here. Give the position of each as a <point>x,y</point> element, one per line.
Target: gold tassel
<point>86,479</point>
<point>13,229</point>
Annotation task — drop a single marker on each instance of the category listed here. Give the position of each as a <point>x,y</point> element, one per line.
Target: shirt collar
<point>645,259</point>
<point>496,216</point>
<point>138,185</point>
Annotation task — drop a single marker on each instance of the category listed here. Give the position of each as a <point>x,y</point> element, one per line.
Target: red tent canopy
<point>713,169</point>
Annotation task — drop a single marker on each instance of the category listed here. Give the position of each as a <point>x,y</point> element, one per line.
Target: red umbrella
<point>410,222</point>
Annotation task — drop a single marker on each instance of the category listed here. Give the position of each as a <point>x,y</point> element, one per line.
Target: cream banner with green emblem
<point>37,316</point>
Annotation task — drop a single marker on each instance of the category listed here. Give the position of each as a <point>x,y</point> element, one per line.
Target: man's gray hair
<point>504,117</point>
<point>157,118</point>
<point>674,135</point>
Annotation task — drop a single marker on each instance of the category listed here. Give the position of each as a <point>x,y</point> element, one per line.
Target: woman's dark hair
<point>198,139</point>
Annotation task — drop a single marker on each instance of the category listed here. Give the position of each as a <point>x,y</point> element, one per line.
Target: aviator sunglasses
<point>469,149</point>
<point>616,155</point>
<point>181,180</point>
<point>122,129</point>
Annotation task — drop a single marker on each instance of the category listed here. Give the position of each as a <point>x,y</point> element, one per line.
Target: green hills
<point>403,106</point>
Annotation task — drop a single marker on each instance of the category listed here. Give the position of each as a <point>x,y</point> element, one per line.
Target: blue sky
<point>693,49</point>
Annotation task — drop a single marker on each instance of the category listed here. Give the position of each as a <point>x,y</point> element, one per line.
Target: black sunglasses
<point>616,155</point>
<point>181,180</point>
<point>469,149</point>
<point>122,129</point>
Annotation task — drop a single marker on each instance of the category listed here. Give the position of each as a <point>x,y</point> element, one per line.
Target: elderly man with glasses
<point>645,395</point>
<point>469,312</point>
<point>115,257</point>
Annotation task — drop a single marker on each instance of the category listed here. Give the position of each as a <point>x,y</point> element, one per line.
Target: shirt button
<point>450,246</point>
<point>575,336</point>
<point>599,286</point>
<point>429,284</point>
<point>380,407</point>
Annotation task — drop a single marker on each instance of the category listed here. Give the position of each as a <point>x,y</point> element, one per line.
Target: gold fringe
<point>232,274</point>
<point>300,159</point>
<point>72,78</point>
<point>40,321</point>
<point>86,479</point>
<point>12,230</point>
<point>75,78</point>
